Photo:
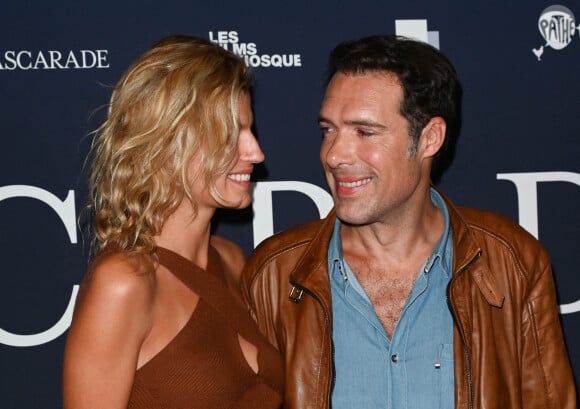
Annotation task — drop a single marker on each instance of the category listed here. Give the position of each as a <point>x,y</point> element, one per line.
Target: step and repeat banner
<point>518,153</point>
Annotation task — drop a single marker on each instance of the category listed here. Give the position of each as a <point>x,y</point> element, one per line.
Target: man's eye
<point>362,132</point>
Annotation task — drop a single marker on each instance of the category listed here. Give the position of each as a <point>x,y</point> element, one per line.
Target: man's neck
<point>401,244</point>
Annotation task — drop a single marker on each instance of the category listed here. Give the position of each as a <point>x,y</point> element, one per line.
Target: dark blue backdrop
<point>518,152</point>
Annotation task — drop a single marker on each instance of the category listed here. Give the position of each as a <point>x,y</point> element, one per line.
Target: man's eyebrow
<point>356,122</point>
<point>365,122</point>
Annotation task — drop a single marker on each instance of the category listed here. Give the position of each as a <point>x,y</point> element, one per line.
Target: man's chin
<point>351,217</point>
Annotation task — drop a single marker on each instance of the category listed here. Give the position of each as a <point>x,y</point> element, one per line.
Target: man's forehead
<point>364,89</point>
<point>388,77</point>
<point>345,85</point>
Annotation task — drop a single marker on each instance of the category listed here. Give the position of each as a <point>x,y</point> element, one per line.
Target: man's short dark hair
<point>429,81</point>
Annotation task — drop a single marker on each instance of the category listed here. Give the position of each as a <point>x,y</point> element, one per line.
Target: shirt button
<point>394,357</point>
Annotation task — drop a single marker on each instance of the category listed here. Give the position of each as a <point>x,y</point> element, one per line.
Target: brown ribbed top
<point>203,366</point>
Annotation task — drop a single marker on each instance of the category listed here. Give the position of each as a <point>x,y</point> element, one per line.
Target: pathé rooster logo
<point>557,26</point>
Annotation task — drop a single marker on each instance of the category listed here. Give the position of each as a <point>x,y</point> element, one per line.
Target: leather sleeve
<point>547,380</point>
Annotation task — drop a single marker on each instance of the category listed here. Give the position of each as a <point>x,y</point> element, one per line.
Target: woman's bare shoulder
<point>112,318</point>
<point>118,278</point>
<point>119,268</point>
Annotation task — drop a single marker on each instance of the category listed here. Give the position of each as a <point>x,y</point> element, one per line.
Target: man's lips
<point>349,183</point>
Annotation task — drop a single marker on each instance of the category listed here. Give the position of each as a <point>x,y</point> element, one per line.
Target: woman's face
<point>234,184</point>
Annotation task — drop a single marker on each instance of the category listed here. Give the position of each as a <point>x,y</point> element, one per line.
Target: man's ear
<point>432,137</point>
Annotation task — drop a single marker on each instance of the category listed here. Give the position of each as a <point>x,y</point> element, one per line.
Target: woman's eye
<point>324,130</point>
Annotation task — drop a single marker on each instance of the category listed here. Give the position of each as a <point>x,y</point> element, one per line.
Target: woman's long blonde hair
<point>179,99</point>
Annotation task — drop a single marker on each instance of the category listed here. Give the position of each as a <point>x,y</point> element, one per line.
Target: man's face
<point>365,149</point>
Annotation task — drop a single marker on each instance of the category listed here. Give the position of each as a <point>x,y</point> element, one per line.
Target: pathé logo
<point>557,26</point>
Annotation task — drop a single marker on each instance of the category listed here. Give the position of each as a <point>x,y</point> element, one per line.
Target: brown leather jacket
<point>508,345</point>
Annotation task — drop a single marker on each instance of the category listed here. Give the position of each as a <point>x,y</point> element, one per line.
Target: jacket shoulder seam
<point>259,270</point>
<point>505,244</point>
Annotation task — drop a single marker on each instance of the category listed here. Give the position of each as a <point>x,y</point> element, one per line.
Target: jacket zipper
<point>327,320</point>
<point>467,356</point>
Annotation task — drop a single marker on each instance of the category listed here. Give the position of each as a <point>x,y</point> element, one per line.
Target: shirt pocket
<point>444,365</point>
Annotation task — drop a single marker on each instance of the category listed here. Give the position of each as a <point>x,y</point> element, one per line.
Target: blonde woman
<point>158,321</point>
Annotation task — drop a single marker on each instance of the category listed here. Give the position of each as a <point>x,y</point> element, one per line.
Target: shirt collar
<point>442,251</point>
<point>335,258</point>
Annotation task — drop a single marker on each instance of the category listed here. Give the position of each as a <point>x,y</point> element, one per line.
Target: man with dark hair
<point>398,298</point>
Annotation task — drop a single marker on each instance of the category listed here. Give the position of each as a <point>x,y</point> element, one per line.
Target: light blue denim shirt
<point>414,369</point>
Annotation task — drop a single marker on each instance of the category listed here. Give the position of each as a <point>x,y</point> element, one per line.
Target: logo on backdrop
<point>263,226</point>
<point>230,40</point>
<point>557,26</point>
<point>417,29</point>
<point>66,212</point>
<point>26,60</point>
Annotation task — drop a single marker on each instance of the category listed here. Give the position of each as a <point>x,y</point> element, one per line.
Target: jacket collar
<point>311,271</point>
<point>467,256</point>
